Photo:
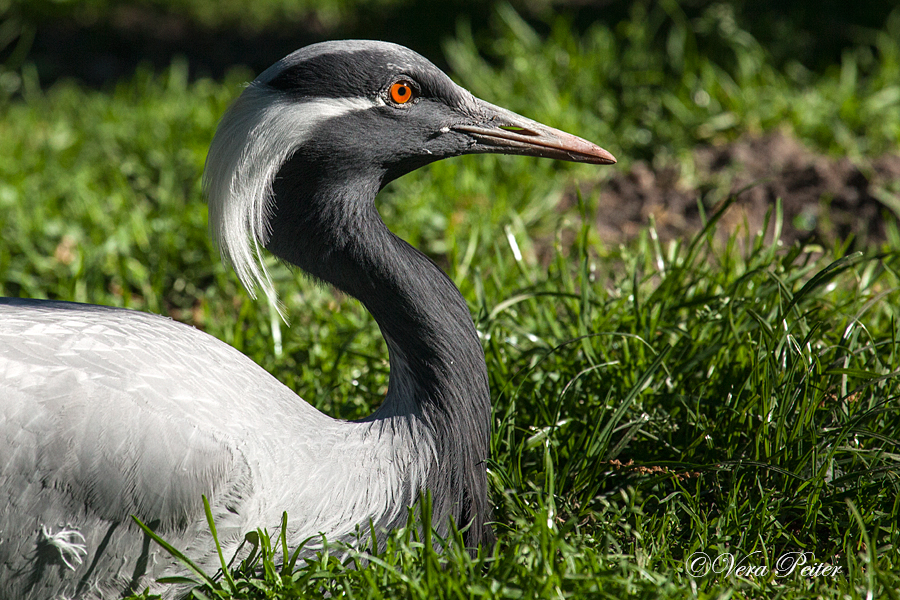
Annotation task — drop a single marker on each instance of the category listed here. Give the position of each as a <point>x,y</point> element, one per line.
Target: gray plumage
<point>136,414</point>
<point>107,413</point>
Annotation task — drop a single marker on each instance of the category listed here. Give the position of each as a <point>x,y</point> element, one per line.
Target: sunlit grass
<point>703,399</point>
<point>650,401</point>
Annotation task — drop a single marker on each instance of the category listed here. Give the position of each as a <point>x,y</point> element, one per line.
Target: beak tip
<point>601,156</point>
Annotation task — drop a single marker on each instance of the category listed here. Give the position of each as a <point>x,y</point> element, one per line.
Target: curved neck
<point>328,226</point>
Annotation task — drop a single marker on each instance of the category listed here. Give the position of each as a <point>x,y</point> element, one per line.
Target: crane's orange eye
<point>401,92</point>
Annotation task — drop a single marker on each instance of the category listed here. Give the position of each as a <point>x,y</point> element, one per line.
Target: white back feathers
<point>257,135</point>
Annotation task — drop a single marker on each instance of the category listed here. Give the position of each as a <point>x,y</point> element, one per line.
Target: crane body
<point>160,415</point>
<point>107,413</point>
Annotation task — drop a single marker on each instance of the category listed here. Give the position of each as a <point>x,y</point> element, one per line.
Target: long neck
<point>329,227</point>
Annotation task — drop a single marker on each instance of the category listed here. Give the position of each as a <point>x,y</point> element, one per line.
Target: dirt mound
<point>824,199</point>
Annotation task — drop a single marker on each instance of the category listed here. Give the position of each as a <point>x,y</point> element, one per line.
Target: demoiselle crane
<point>107,413</point>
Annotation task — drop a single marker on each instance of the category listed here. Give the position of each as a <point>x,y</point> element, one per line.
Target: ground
<point>824,199</point>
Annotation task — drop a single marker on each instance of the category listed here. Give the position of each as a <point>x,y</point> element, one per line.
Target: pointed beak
<point>504,132</point>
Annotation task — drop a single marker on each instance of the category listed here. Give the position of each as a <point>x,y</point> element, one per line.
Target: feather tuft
<point>69,542</point>
<point>257,135</point>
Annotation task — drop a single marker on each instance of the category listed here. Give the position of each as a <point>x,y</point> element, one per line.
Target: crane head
<point>360,111</point>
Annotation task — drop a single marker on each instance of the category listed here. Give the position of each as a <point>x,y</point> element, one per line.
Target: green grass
<point>650,401</point>
<point>223,14</point>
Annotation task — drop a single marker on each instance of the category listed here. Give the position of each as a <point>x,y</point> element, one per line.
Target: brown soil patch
<point>824,199</point>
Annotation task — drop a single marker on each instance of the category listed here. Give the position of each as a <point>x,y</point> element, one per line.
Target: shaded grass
<point>650,401</point>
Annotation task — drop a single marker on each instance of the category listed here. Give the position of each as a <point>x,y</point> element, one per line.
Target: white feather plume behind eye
<point>257,135</point>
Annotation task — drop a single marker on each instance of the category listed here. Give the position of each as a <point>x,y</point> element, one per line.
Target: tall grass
<point>650,401</point>
<point>656,403</point>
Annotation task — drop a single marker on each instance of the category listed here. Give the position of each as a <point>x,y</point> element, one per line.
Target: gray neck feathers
<point>327,224</point>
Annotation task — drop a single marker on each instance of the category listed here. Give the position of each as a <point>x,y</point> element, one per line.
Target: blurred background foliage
<point>652,77</point>
<point>102,40</point>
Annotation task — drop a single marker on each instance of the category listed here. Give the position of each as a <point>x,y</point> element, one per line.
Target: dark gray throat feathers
<point>326,223</point>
